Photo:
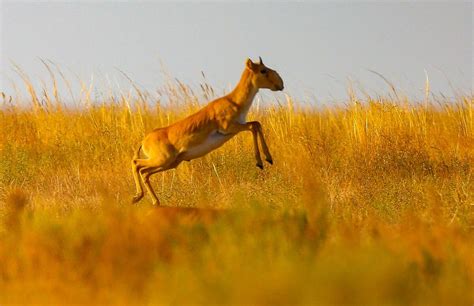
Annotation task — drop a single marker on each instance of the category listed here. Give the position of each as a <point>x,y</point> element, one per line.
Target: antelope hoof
<point>260,165</point>
<point>137,198</point>
<point>269,160</point>
<point>156,203</point>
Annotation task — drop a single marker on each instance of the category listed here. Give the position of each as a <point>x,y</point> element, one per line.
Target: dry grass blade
<point>367,203</point>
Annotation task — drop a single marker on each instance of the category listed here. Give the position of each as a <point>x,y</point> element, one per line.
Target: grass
<point>369,203</point>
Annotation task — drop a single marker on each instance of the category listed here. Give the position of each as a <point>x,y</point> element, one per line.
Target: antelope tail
<point>137,153</point>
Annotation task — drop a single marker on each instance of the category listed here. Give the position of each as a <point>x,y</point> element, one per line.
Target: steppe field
<point>369,202</point>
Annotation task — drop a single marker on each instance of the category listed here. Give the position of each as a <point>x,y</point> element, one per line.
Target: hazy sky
<point>316,46</point>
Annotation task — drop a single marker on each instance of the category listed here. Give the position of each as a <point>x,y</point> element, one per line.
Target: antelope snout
<point>278,84</point>
<point>278,87</point>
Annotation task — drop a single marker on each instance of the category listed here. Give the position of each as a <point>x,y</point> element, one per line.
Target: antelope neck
<point>245,91</point>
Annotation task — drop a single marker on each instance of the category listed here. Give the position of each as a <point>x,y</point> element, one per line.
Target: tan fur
<point>206,130</point>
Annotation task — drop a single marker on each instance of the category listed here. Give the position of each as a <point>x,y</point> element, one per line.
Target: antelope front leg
<point>235,128</point>
<point>257,150</point>
<point>266,151</point>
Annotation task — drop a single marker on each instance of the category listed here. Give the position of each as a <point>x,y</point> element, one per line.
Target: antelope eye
<point>263,71</point>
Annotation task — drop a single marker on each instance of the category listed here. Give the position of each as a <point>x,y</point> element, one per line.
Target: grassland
<point>369,203</point>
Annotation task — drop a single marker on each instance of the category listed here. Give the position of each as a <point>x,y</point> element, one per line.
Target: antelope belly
<point>212,142</point>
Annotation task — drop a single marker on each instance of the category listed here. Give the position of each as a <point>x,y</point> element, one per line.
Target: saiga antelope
<point>206,130</point>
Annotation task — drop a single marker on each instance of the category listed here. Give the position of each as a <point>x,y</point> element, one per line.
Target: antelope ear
<point>261,62</point>
<point>250,65</point>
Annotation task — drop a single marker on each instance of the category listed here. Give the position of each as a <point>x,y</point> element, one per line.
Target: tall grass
<point>368,203</point>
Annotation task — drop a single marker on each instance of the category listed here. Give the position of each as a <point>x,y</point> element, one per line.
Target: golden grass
<point>369,203</point>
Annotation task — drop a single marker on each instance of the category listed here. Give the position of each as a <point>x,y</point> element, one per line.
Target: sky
<point>317,47</point>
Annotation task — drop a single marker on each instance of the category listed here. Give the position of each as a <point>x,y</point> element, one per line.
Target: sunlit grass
<point>368,203</point>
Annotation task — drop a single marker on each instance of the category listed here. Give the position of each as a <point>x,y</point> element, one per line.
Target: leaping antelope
<point>206,130</point>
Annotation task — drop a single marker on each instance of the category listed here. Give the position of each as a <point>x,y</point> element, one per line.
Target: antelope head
<point>264,77</point>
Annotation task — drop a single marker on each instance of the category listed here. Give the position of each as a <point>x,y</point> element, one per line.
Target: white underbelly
<point>212,142</point>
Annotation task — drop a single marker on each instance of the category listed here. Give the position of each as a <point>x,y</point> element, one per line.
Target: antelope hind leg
<point>145,173</point>
<point>140,167</point>
<point>138,184</point>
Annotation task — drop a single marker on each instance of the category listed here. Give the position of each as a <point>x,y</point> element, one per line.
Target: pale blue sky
<point>316,46</point>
